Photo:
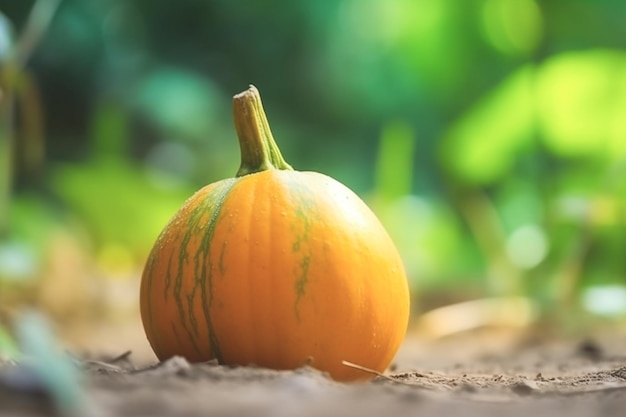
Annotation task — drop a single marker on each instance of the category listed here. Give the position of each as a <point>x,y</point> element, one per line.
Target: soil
<point>470,375</point>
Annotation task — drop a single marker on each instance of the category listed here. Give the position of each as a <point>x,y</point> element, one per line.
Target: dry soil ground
<point>470,375</point>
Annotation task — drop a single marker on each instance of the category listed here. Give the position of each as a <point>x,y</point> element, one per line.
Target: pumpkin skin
<point>277,268</point>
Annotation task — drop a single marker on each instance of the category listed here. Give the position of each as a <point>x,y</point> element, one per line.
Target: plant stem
<point>505,279</point>
<point>37,24</point>
<point>259,151</point>
<point>6,150</point>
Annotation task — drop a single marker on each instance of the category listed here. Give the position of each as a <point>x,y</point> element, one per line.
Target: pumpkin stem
<point>259,151</point>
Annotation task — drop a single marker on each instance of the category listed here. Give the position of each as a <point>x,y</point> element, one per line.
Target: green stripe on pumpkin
<point>148,276</point>
<point>204,260</point>
<point>222,267</point>
<point>167,278</point>
<point>203,276</point>
<point>195,219</point>
<point>306,213</point>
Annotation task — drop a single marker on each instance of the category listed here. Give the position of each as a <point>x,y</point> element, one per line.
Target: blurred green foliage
<point>488,135</point>
<point>8,348</point>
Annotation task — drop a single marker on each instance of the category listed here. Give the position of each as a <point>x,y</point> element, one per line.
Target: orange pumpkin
<point>275,267</point>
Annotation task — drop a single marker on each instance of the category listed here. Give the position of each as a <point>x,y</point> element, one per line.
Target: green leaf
<point>482,146</point>
<point>8,348</point>
<point>180,102</point>
<point>57,372</point>
<point>428,237</point>
<point>118,201</point>
<point>582,106</point>
<point>394,168</point>
<point>512,27</point>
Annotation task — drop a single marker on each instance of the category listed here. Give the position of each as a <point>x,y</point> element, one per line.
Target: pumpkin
<point>276,268</point>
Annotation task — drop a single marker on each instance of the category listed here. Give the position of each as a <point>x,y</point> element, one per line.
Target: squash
<point>275,267</point>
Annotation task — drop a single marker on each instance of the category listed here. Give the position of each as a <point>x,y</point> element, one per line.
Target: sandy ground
<point>486,374</point>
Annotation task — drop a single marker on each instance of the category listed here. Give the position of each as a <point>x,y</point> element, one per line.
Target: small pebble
<point>524,387</point>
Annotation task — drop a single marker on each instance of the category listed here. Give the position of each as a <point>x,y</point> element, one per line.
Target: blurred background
<point>488,135</point>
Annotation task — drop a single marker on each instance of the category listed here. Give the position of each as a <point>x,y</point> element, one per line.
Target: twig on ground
<point>372,372</point>
<point>123,357</point>
<point>104,365</point>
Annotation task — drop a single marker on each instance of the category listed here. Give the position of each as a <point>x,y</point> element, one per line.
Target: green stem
<point>6,147</point>
<point>11,71</point>
<point>259,151</point>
